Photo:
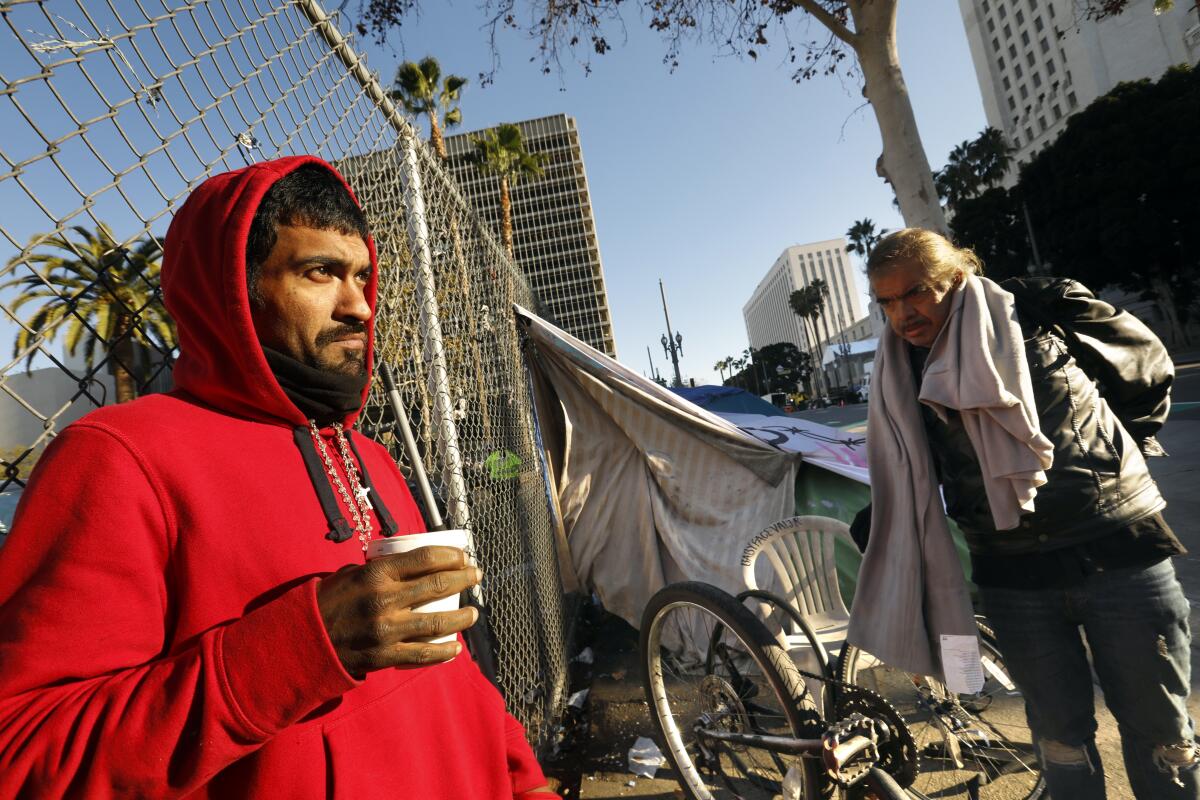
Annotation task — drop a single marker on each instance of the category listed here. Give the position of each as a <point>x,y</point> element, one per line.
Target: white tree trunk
<point>903,163</point>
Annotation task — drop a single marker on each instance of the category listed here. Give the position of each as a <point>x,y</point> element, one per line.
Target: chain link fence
<point>112,112</point>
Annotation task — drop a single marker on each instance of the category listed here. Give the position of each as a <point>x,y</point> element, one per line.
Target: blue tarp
<point>728,399</point>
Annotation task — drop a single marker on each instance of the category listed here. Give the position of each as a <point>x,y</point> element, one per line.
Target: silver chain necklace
<point>359,505</point>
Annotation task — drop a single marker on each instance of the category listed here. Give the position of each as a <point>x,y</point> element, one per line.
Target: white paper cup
<point>412,541</point>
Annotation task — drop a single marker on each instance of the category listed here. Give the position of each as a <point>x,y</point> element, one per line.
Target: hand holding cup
<point>400,609</point>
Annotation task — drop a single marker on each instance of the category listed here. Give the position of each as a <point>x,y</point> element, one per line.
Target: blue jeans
<point>1136,623</point>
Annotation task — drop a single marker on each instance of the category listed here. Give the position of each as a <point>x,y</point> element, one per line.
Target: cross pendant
<point>361,494</point>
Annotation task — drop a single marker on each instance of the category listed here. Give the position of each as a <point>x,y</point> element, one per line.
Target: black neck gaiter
<point>320,395</point>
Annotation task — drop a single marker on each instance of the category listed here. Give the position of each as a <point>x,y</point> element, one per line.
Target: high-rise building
<point>1040,61</point>
<point>768,313</point>
<point>554,231</point>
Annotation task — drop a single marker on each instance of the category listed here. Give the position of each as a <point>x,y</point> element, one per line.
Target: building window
<point>991,26</point>
<point>1020,16</point>
<point>1044,45</point>
<point>1024,92</point>
<point>1042,123</point>
<point>1016,140</point>
<point>996,45</point>
<point>1000,61</point>
<point>1050,68</point>
<point>1029,58</point>
<point>1025,38</point>
<point>1056,111</point>
<point>1002,10</point>
<point>1037,23</point>
<point>1012,52</point>
<point>985,6</point>
<point>1037,78</point>
<point>1007,32</point>
<point>1071,101</point>
<point>1012,104</point>
<point>1029,133</point>
<point>1050,9</point>
<point>1017,69</point>
<point>1068,81</point>
<point>1032,4</point>
<point>1007,83</point>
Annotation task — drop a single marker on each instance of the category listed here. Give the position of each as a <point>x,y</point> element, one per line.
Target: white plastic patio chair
<point>792,562</point>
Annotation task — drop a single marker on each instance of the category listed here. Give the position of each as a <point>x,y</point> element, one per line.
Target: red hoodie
<point>159,631</point>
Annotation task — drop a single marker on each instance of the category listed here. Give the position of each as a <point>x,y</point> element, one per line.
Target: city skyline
<point>554,233</point>
<point>701,176</point>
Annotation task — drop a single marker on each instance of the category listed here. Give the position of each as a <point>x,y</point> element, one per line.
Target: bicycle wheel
<point>970,746</point>
<point>732,678</point>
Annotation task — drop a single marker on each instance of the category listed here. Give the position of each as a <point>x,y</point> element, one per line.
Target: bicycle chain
<point>899,756</point>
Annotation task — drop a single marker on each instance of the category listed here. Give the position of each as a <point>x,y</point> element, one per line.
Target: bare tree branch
<point>835,26</point>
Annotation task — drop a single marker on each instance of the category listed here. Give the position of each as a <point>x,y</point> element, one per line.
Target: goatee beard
<point>353,362</point>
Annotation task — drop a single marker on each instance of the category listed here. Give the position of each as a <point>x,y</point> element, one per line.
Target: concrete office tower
<point>1040,61</point>
<point>554,232</point>
<point>768,314</point>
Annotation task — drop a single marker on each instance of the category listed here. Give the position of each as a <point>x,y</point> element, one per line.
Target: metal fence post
<point>430,326</point>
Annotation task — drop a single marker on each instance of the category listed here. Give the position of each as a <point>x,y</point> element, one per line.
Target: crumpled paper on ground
<point>645,758</point>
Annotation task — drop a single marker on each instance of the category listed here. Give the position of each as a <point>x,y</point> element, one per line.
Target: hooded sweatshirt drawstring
<point>339,528</point>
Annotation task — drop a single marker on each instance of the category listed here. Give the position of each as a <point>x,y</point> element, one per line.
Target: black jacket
<point>1101,381</point>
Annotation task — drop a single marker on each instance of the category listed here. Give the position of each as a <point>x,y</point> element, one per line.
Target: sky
<point>703,175</point>
<point>700,176</point>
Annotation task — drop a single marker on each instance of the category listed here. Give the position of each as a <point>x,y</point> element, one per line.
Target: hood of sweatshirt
<point>221,362</point>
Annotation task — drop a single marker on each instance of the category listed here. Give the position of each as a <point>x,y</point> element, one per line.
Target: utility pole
<point>672,343</point>
<point>654,376</point>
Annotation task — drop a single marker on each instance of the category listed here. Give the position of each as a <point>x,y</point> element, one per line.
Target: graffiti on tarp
<point>820,444</point>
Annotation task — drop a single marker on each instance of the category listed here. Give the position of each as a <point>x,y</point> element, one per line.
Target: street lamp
<point>672,346</point>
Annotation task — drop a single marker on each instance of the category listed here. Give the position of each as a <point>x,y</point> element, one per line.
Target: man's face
<point>915,306</point>
<point>313,302</point>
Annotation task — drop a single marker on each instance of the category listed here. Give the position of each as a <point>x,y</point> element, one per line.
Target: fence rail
<point>112,112</point>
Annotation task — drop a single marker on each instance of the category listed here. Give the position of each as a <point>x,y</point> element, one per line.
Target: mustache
<point>331,335</point>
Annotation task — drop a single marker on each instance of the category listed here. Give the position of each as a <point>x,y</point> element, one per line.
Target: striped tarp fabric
<point>651,489</point>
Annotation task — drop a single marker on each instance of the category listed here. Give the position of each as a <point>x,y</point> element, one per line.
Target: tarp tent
<point>728,400</point>
<point>651,488</point>
<point>837,451</point>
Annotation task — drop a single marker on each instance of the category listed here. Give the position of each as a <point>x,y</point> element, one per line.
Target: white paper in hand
<point>961,664</point>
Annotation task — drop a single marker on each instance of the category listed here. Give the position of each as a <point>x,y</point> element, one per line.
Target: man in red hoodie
<point>185,608</point>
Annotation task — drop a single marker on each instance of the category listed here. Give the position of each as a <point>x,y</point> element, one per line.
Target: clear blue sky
<point>703,176</point>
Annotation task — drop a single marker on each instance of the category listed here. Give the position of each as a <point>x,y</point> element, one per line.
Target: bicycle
<point>739,721</point>
<point>980,742</point>
<point>740,724</point>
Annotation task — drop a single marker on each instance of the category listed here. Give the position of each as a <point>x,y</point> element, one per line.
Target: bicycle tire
<point>718,692</point>
<point>1006,768</point>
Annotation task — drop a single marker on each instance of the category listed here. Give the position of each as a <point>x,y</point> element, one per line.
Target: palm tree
<point>804,306</point>
<point>863,237</point>
<point>499,151</point>
<point>821,298</point>
<point>100,293</point>
<point>973,166</point>
<point>419,88</point>
<point>720,368</point>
